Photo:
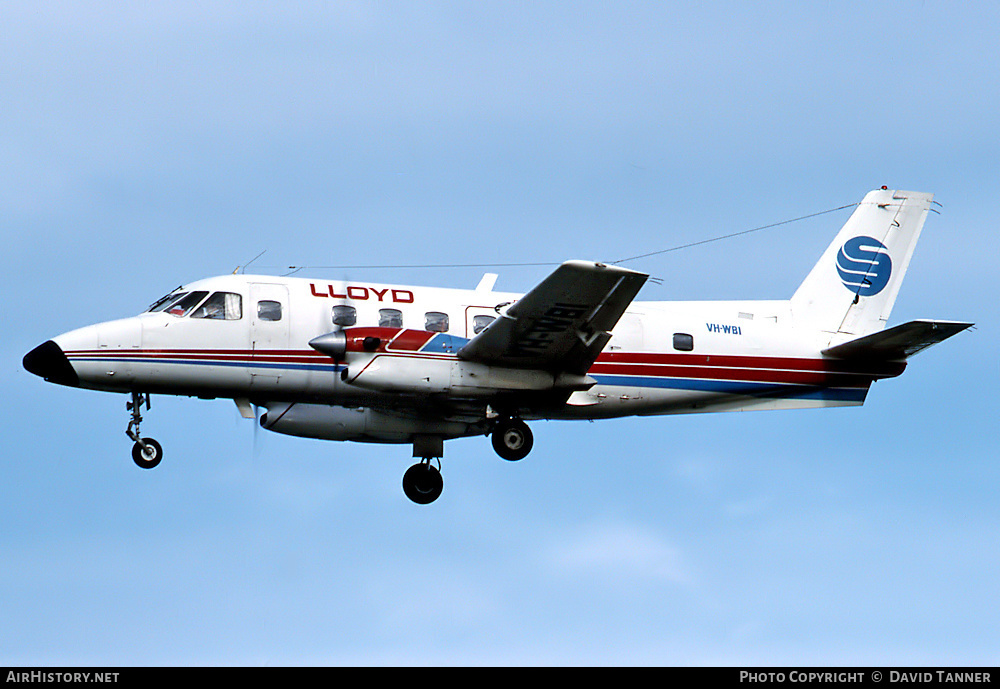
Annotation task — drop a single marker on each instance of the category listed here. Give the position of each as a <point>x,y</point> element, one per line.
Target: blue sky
<point>147,145</point>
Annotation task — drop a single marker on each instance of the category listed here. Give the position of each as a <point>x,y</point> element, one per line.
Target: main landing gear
<point>146,452</point>
<point>422,482</point>
<point>512,439</point>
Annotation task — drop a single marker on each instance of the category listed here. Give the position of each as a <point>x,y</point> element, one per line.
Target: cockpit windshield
<point>179,303</point>
<point>162,302</point>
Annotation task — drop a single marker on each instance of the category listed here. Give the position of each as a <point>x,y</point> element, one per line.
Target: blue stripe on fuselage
<point>781,390</point>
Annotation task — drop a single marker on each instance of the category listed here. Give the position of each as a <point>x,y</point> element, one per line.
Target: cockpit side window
<point>182,306</point>
<point>223,306</point>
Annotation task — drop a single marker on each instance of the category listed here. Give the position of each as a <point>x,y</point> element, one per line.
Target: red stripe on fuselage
<point>832,372</point>
<point>275,355</point>
<point>758,363</point>
<point>735,374</point>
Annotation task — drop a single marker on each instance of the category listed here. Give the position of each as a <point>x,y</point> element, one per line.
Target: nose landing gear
<point>146,452</point>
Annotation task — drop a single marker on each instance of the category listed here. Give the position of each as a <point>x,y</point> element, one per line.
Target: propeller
<point>255,454</point>
<point>249,410</point>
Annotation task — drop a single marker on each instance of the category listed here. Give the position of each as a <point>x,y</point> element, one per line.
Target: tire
<point>512,439</point>
<point>148,458</point>
<point>422,483</point>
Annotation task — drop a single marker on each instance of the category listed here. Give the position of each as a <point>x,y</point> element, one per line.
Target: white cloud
<point>620,549</point>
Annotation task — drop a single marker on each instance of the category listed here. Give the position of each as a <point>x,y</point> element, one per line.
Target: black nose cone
<point>48,361</point>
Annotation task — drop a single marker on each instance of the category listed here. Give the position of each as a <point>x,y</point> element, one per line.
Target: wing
<point>898,343</point>
<point>562,324</point>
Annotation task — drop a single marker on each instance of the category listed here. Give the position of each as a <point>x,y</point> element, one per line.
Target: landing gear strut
<point>422,482</point>
<point>512,439</point>
<point>146,452</point>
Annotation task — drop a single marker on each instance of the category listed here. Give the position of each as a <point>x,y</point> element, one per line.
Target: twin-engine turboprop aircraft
<point>419,365</point>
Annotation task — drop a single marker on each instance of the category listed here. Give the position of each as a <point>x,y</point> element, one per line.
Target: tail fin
<point>854,286</point>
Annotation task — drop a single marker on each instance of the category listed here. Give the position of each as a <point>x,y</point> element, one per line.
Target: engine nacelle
<point>356,423</point>
<point>395,360</point>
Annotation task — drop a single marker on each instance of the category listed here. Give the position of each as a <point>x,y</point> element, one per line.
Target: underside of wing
<point>562,324</point>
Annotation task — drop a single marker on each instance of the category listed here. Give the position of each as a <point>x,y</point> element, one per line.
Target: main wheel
<point>149,456</point>
<point>422,483</point>
<point>512,439</point>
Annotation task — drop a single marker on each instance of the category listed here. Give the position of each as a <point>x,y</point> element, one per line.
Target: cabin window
<point>683,342</point>
<point>345,316</point>
<point>183,304</point>
<point>269,310</point>
<point>390,318</point>
<point>222,306</point>
<point>479,323</point>
<point>435,321</point>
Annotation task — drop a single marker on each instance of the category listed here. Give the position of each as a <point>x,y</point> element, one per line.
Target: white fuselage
<point>663,357</point>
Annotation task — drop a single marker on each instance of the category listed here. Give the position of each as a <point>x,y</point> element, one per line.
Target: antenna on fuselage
<point>244,268</point>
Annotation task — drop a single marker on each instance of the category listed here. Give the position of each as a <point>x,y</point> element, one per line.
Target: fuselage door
<point>269,331</point>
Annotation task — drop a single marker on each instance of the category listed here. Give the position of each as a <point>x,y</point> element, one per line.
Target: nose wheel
<point>146,452</point>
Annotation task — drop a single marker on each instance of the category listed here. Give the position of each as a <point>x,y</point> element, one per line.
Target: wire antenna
<point>294,269</point>
<point>244,268</point>
<point>734,234</point>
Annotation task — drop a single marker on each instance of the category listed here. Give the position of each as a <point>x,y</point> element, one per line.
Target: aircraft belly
<point>608,401</point>
<point>361,424</point>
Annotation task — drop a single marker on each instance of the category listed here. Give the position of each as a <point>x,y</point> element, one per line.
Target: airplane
<point>382,363</point>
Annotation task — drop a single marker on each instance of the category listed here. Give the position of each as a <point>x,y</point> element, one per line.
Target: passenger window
<point>479,323</point>
<point>181,307</point>
<point>345,316</point>
<point>390,318</point>
<point>683,342</point>
<point>223,306</point>
<point>269,310</point>
<point>435,321</point>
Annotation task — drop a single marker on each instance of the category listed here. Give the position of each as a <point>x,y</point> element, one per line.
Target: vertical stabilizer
<point>853,287</point>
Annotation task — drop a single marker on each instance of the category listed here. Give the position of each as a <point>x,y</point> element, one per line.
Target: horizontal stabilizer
<point>897,343</point>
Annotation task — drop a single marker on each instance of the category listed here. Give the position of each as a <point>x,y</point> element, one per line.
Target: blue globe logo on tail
<point>864,266</point>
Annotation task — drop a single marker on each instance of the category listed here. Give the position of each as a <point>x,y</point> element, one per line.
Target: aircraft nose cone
<point>48,361</point>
